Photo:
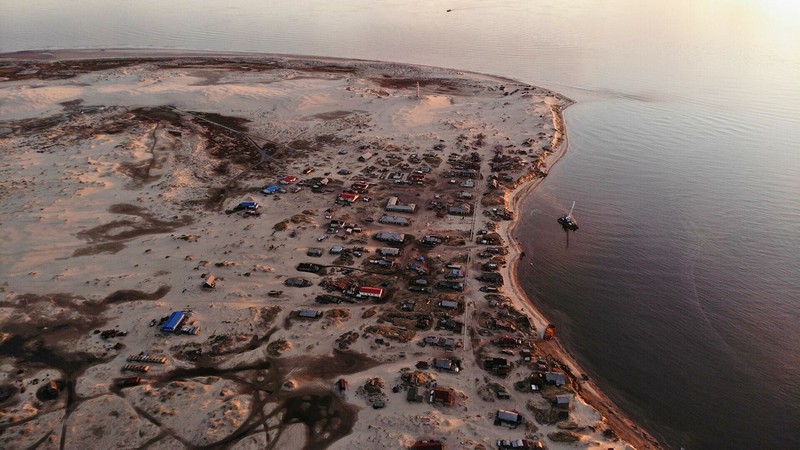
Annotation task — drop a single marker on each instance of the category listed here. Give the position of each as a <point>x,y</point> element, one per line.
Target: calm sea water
<point>680,292</point>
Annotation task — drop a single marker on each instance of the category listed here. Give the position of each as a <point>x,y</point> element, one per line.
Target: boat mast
<point>570,210</point>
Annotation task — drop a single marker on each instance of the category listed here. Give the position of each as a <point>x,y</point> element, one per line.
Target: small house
<point>556,378</point>
<point>297,282</point>
<point>455,273</point>
<point>360,187</point>
<point>394,220</point>
<point>413,395</point>
<point>430,241</point>
<point>464,209</point>
<point>509,418</point>
<point>271,189</point>
<point>518,444</point>
<point>393,238</point>
<point>210,282</point>
<point>366,156</point>
<point>309,314</point>
<point>336,250</point>
<point>428,445</point>
<point>341,386</point>
<point>288,179</point>
<point>348,197</point>
<point>492,277</point>
<point>445,364</point>
<point>389,251</point>
<point>443,396</point>
<point>562,401</point>
<point>448,304</point>
<point>314,252</point>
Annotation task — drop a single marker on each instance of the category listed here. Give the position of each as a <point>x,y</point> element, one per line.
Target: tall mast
<point>570,210</point>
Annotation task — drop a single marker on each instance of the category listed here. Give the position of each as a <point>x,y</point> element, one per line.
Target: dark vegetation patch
<point>120,230</point>
<point>333,115</point>
<point>437,85</point>
<point>159,114</point>
<point>328,68</point>
<point>224,138</point>
<point>59,70</point>
<point>106,247</point>
<point>130,295</point>
<point>326,416</point>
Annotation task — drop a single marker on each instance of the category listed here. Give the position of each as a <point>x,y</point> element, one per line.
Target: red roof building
<point>348,197</point>
<point>360,187</point>
<point>288,180</point>
<point>445,396</point>
<point>427,445</point>
<point>368,291</point>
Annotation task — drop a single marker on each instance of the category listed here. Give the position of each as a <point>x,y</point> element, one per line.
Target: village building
<point>492,277</point>
<point>448,304</point>
<point>394,220</point>
<point>365,157</point>
<point>173,322</point>
<point>394,205</point>
<point>389,251</point>
<point>271,189</point>
<point>466,173</point>
<point>464,209</point>
<point>443,396</point>
<point>455,272</point>
<point>556,378</point>
<point>446,343</point>
<point>503,324</point>
<point>341,386</point>
<point>347,197</point>
<point>413,395</point>
<point>497,366</point>
<point>519,444</point>
<point>288,179</point>
<point>210,282</point>
<point>309,314</point>
<point>417,177</point>
<point>450,285</point>
<point>430,241</point>
<point>297,282</point>
<point>369,291</point>
<point>314,252</point>
<point>360,187</point>
<point>445,364</point>
<point>509,418</point>
<point>428,445</point>
<point>467,184</point>
<point>393,238</point>
<point>509,342</point>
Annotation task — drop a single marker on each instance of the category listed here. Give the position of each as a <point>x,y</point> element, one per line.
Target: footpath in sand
<point>332,238</point>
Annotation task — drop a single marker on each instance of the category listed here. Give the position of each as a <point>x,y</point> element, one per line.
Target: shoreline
<point>625,428</point>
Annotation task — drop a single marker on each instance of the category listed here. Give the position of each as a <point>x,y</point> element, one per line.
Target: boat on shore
<point>567,221</point>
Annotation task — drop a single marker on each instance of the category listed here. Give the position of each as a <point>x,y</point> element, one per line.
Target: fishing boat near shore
<point>567,221</point>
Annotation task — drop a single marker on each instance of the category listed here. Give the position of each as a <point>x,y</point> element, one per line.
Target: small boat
<point>567,221</point>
